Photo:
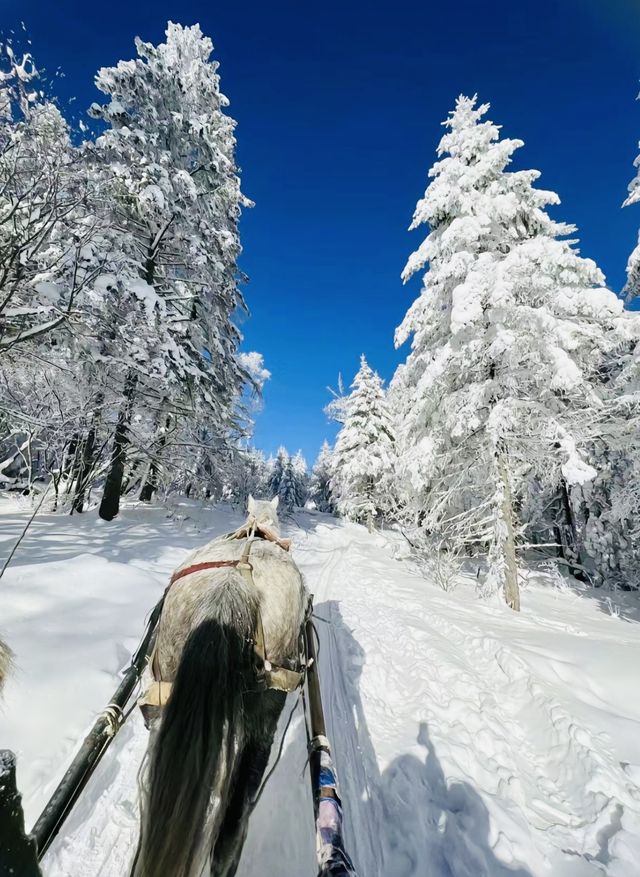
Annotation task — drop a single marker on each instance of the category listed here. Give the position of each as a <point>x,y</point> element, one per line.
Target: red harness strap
<point>198,567</point>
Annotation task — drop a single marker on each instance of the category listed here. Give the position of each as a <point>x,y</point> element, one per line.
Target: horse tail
<point>193,752</point>
<point>6,662</point>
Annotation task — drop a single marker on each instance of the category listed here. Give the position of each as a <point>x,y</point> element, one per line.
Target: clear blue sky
<point>339,105</point>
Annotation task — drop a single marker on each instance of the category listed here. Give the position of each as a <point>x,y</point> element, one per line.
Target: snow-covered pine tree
<point>277,466</point>
<point>249,476</point>
<point>508,333</point>
<point>301,476</point>
<point>609,513</point>
<point>363,458</point>
<point>169,153</point>
<point>287,490</point>
<point>320,483</point>
<point>632,286</point>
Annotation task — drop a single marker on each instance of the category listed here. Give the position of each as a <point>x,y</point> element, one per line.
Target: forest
<point>508,432</point>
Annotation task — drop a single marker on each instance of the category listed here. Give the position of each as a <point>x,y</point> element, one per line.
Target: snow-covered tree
<point>248,476</point>
<point>119,319</point>
<point>363,458</point>
<point>288,488</point>
<point>336,409</point>
<point>276,467</point>
<point>287,479</point>
<point>174,192</point>
<point>320,483</point>
<point>43,219</point>
<point>632,286</point>
<point>301,475</point>
<point>508,334</point>
<point>609,513</point>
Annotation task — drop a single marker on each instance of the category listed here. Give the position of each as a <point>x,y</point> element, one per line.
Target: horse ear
<point>251,504</point>
<point>275,501</point>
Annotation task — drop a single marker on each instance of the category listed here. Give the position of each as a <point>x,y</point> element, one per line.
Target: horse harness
<point>269,675</point>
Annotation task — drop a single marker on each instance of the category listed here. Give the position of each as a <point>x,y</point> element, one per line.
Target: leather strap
<point>199,567</point>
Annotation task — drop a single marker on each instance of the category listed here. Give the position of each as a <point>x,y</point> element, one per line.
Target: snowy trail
<point>469,741</point>
<point>524,777</point>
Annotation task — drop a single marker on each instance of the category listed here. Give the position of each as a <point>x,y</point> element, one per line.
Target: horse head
<point>264,513</point>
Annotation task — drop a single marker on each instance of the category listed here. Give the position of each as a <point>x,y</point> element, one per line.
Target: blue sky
<point>339,107</point>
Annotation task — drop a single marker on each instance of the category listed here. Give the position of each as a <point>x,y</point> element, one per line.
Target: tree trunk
<point>71,460</point>
<point>84,470</point>
<point>570,551</point>
<point>151,481</point>
<point>132,478</point>
<point>511,588</point>
<point>110,505</point>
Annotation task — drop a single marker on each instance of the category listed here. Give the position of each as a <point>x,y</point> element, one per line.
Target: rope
<point>279,755</point>
<point>116,715</point>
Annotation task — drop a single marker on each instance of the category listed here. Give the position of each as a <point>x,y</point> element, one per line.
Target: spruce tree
<point>363,457</point>
<point>301,475</point>
<point>174,190</point>
<point>287,490</point>
<point>277,466</point>
<point>320,483</point>
<point>632,286</point>
<point>508,334</point>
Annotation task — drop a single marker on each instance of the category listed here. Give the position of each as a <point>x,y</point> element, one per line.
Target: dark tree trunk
<point>70,462</point>
<point>132,478</point>
<point>570,546</point>
<point>151,481</point>
<point>110,505</point>
<point>84,471</point>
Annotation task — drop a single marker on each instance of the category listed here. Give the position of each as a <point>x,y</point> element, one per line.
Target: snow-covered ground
<point>470,741</point>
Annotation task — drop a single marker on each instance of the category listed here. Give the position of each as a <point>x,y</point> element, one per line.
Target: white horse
<point>228,640</point>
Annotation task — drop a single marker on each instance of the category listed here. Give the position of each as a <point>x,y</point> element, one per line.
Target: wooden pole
<point>94,746</point>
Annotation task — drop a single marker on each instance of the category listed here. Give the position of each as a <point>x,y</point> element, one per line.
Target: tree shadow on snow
<point>616,603</point>
<point>408,821</point>
<point>610,601</point>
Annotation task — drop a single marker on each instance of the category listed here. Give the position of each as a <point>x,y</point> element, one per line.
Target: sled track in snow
<point>477,696</point>
<point>447,684</point>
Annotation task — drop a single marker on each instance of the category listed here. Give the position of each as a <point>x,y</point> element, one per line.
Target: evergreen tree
<point>301,475</point>
<point>632,286</point>
<point>174,191</point>
<point>320,484</point>
<point>248,476</point>
<point>287,490</point>
<point>363,457</point>
<point>277,466</point>
<point>508,335</point>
